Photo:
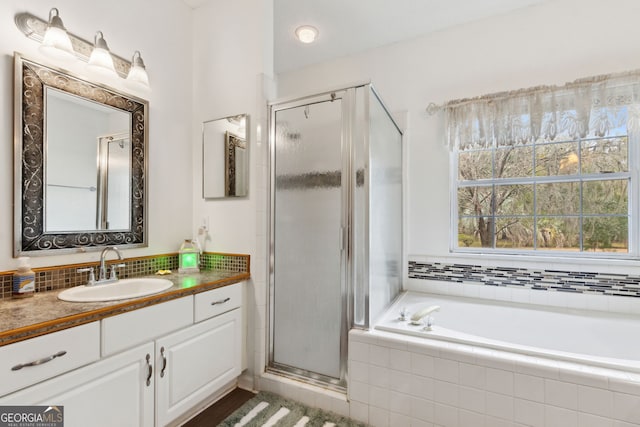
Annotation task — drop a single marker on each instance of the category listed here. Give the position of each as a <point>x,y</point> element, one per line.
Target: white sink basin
<point>122,289</point>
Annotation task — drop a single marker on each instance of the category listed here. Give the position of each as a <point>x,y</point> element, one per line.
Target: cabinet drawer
<point>108,393</point>
<point>135,327</point>
<point>34,361</point>
<point>217,301</point>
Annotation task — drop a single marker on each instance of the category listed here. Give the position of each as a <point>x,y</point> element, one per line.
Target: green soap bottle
<point>24,279</point>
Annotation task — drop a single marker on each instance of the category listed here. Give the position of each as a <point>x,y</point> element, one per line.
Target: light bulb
<point>56,42</point>
<point>306,33</point>
<point>137,76</point>
<point>100,60</point>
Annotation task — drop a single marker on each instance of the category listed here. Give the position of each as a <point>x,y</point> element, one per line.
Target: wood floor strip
<point>216,413</point>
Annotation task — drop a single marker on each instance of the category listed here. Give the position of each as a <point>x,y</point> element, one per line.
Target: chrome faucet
<point>102,276</point>
<point>102,270</point>
<point>417,318</point>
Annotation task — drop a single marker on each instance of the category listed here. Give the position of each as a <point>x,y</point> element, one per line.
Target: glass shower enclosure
<point>335,227</point>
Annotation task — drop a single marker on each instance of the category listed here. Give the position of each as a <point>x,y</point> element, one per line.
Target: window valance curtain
<point>591,107</point>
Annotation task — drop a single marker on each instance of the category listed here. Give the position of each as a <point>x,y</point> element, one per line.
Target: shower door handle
<point>342,238</point>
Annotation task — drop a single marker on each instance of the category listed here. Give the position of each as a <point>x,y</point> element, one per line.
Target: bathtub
<point>585,337</point>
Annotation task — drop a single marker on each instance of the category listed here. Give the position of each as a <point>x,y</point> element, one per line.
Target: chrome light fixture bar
<point>36,29</point>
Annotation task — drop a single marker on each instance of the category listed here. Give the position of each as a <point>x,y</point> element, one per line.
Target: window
<point>545,177</point>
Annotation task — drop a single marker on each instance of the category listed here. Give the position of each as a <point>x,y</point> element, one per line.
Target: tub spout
<point>417,318</point>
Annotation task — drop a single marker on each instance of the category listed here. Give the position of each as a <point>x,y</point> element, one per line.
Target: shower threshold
<point>311,378</point>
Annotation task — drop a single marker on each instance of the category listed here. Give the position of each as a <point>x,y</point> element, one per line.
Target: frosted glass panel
<point>360,211</point>
<point>385,209</point>
<point>307,311</point>
<point>336,236</point>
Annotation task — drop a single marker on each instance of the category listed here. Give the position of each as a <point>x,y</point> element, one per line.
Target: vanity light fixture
<point>306,33</point>
<point>100,60</point>
<point>51,34</point>
<point>56,42</point>
<point>138,73</point>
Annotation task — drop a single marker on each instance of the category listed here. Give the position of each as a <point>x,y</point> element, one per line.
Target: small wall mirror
<point>225,157</point>
<point>80,163</point>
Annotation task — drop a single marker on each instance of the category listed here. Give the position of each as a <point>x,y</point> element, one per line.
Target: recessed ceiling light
<point>306,33</point>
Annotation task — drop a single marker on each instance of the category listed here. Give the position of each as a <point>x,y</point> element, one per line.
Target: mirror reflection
<point>225,165</point>
<point>94,193</point>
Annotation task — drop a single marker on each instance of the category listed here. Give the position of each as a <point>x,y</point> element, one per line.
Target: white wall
<point>551,43</point>
<point>162,32</point>
<point>228,60</point>
<point>233,69</point>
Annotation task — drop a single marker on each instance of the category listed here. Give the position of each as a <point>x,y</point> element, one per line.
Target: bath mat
<point>270,410</point>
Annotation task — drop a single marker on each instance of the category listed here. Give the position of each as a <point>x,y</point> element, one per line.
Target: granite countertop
<point>43,313</point>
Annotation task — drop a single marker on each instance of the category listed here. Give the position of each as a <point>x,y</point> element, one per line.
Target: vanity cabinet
<point>158,363</point>
<point>116,391</point>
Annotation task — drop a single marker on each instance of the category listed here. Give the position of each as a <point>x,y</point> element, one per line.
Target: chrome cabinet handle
<point>222,301</point>
<point>164,362</point>
<point>150,370</point>
<point>39,361</point>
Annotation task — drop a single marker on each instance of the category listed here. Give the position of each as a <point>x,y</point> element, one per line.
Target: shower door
<point>309,171</point>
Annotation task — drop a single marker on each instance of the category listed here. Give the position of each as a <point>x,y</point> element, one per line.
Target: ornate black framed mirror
<point>80,163</point>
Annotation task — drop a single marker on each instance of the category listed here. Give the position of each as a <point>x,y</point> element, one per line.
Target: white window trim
<point>633,201</point>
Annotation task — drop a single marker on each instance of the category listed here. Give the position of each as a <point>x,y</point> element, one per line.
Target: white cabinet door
<point>111,392</point>
<point>194,363</point>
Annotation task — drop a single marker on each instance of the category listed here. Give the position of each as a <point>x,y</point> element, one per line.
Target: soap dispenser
<point>24,279</point>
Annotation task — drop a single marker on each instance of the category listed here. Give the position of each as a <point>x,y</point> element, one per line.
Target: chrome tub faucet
<point>416,319</point>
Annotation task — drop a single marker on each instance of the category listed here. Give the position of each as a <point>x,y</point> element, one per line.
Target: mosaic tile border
<point>66,276</point>
<point>225,262</point>
<point>536,279</point>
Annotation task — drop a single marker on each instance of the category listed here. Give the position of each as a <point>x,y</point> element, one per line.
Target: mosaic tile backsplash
<point>544,280</point>
<point>60,277</point>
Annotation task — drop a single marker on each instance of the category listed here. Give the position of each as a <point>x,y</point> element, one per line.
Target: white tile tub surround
<point>426,382</point>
